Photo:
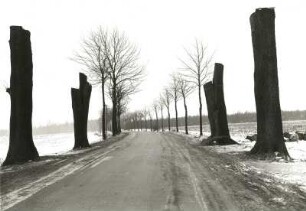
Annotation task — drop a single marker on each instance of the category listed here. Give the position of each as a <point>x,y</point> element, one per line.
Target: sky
<point>161,29</point>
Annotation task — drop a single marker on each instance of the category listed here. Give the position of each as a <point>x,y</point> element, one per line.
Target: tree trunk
<point>217,110</point>
<point>119,123</point>
<point>80,105</point>
<point>21,145</point>
<point>200,110</point>
<point>176,118</point>
<point>169,125</point>
<point>151,127</point>
<point>186,115</point>
<point>157,126</point>
<point>162,119</point>
<point>114,113</point>
<point>103,112</point>
<point>269,121</point>
<point>209,95</point>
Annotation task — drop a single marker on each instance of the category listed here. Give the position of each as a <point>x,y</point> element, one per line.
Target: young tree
<point>175,95</point>
<point>21,145</point>
<point>185,88</point>
<point>166,99</point>
<point>92,57</point>
<point>124,70</point>
<point>155,108</point>
<point>151,120</point>
<point>196,70</point>
<point>145,112</point>
<point>161,107</point>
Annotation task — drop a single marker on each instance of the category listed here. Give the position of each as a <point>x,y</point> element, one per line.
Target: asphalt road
<point>155,171</point>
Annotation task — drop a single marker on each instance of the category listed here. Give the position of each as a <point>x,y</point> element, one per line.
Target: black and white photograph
<point>142,105</point>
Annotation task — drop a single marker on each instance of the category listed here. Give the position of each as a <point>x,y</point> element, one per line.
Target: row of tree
<point>111,61</point>
<point>109,58</point>
<point>196,73</point>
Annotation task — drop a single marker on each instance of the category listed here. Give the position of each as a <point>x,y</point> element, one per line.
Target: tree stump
<point>21,145</point>
<point>217,110</point>
<point>80,106</point>
<point>269,121</point>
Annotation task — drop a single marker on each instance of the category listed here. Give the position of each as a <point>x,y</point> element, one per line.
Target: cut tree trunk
<point>21,145</point>
<point>80,106</point>
<point>217,110</point>
<point>270,139</point>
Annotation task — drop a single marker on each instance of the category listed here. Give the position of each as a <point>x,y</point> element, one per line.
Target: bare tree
<point>166,99</point>
<point>161,107</point>
<point>151,120</point>
<point>145,112</point>
<point>185,88</point>
<point>155,108</point>
<point>92,57</point>
<point>175,95</point>
<point>196,70</point>
<point>124,70</point>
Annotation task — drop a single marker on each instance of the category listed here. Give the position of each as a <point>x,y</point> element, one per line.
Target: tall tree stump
<point>217,110</point>
<point>80,106</point>
<point>269,121</point>
<point>21,145</point>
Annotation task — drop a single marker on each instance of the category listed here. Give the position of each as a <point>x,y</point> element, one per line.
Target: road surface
<point>160,171</point>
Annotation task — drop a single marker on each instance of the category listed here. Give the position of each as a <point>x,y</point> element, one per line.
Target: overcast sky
<point>161,28</point>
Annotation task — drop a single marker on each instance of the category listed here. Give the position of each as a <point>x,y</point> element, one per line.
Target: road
<point>156,171</point>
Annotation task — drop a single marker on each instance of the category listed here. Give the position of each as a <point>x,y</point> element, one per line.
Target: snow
<point>49,144</point>
<point>293,172</point>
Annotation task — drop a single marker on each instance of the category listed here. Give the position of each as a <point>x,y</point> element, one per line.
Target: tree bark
<point>103,111</point>
<point>21,145</point>
<point>200,109</point>
<point>169,125</point>
<point>209,95</point>
<point>162,119</point>
<point>80,105</point>
<point>114,113</point>
<point>217,110</point>
<point>176,114</point>
<point>156,115</point>
<point>269,121</point>
<point>186,115</point>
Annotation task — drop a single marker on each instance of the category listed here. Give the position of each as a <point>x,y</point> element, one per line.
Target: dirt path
<point>155,171</point>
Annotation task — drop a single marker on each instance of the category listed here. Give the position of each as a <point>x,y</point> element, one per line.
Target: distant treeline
<point>95,125</point>
<point>239,118</point>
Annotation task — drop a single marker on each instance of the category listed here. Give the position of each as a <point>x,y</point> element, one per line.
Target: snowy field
<point>49,144</point>
<point>288,172</point>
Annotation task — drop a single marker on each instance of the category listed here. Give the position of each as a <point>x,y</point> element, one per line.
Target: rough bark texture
<point>103,112</point>
<point>21,145</point>
<point>200,110</point>
<point>269,121</point>
<point>186,115</point>
<point>169,125</point>
<point>217,110</point>
<point>80,105</point>
<point>176,115</point>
